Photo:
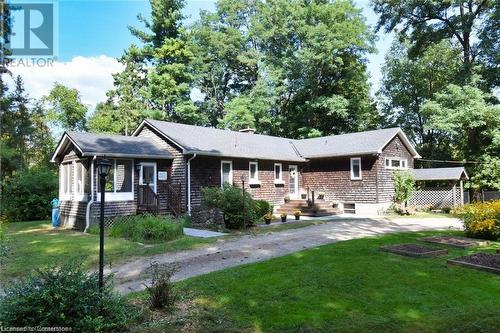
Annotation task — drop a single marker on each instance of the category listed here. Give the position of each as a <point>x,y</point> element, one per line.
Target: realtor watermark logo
<point>33,40</point>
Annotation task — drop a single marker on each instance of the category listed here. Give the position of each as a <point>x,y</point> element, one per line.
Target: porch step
<point>320,208</point>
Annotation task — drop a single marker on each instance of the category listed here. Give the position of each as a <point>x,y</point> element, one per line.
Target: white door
<point>293,183</point>
<point>148,175</point>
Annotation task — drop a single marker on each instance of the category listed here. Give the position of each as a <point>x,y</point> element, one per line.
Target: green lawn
<point>35,243</point>
<point>348,286</point>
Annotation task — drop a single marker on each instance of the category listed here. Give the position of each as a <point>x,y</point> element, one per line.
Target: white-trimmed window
<point>226,172</point>
<point>119,182</point>
<point>278,173</point>
<point>253,172</point>
<point>396,163</point>
<point>79,180</point>
<point>356,168</point>
<point>66,185</point>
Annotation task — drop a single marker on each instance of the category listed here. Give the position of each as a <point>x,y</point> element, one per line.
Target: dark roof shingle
<point>92,144</point>
<point>454,173</point>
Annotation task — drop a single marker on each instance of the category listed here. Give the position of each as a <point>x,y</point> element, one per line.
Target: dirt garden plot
<point>489,262</point>
<point>414,250</point>
<point>456,241</point>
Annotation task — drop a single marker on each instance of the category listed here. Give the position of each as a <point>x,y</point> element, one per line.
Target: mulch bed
<point>456,241</point>
<point>414,250</point>
<point>489,262</point>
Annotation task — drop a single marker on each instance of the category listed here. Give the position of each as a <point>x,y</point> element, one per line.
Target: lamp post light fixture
<point>243,198</point>
<point>103,168</point>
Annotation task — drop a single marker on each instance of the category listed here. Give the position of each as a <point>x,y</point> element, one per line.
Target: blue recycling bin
<point>55,213</point>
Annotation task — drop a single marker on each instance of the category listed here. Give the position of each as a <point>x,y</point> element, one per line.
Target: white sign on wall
<point>162,175</point>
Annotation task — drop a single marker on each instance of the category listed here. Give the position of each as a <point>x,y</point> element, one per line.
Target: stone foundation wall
<point>207,218</point>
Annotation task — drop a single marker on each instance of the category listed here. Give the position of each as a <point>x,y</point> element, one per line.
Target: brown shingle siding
<point>177,174</point>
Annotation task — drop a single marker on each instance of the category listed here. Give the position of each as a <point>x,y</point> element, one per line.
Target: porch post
<point>462,191</point>
<point>454,194</point>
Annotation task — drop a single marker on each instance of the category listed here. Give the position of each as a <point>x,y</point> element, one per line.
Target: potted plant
<point>297,214</point>
<point>268,218</point>
<point>283,217</point>
<point>287,198</point>
<point>321,195</point>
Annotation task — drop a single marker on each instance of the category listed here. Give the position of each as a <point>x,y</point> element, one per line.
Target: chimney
<point>248,130</point>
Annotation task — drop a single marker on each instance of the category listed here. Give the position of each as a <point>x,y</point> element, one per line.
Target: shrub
<point>65,296</point>
<point>147,228</point>
<point>27,194</point>
<point>262,207</point>
<point>161,291</point>
<point>481,219</point>
<point>229,200</point>
<point>4,249</point>
<point>404,186</point>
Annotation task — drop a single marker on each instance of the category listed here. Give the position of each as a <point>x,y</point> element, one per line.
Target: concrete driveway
<point>253,248</point>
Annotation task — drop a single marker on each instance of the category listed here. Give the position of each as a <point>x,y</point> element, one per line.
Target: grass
<point>33,244</point>
<point>348,286</point>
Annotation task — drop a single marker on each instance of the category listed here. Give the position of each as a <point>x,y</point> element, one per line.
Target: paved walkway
<point>247,249</point>
<point>202,233</point>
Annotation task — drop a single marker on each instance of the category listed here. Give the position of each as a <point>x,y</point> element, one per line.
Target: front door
<point>293,184</point>
<point>148,175</point>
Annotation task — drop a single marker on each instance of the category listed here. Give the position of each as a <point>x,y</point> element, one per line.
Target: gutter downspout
<point>189,183</point>
<point>91,201</point>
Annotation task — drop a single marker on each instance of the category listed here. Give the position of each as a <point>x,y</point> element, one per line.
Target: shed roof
<point>454,173</point>
<point>90,144</point>
<point>218,142</point>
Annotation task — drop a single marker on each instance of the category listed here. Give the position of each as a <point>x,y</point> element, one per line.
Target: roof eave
<point>102,154</point>
<point>215,154</point>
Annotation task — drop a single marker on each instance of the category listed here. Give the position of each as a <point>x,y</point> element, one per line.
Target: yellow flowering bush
<point>481,219</point>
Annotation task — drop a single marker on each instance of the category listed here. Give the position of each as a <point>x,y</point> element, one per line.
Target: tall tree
<point>22,129</point>
<point>168,58</point>
<point>127,102</point>
<point>489,47</point>
<point>473,124</point>
<point>315,54</point>
<point>426,22</point>
<point>408,83</point>
<point>66,108</point>
<point>227,56</point>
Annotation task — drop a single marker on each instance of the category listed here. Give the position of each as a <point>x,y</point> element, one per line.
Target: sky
<point>93,33</point>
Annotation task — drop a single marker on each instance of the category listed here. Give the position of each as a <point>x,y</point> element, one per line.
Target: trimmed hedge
<point>481,219</point>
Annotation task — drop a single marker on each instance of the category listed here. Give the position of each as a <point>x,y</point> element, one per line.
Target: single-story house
<point>162,167</point>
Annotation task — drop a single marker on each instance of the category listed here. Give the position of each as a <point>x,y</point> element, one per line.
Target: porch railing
<point>174,203</point>
<point>147,200</point>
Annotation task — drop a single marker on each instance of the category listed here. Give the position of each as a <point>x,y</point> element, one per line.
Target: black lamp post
<point>102,169</point>
<point>243,198</point>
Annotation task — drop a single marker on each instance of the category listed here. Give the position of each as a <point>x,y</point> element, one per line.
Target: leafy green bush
<point>4,249</point>
<point>146,228</point>
<point>229,199</point>
<point>262,207</point>
<point>27,194</point>
<point>65,296</point>
<point>404,186</point>
<point>481,219</point>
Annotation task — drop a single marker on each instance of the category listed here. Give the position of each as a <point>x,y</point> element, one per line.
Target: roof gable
<point>90,144</point>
